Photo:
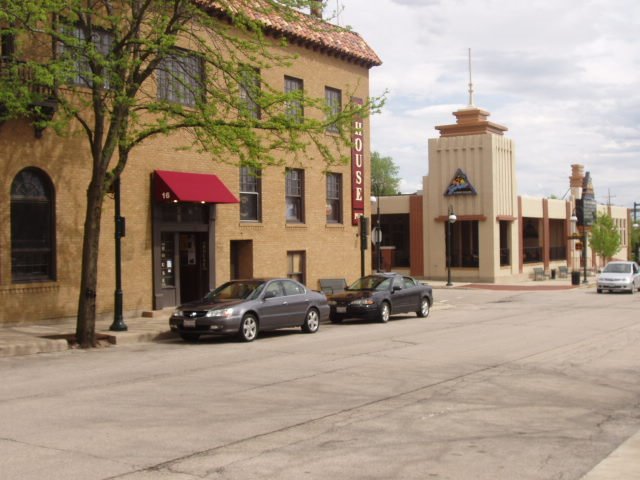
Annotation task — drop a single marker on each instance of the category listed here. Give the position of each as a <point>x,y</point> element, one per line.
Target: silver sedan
<point>244,307</point>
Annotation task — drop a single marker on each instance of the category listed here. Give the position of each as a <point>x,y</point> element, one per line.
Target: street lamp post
<point>378,238</point>
<point>450,221</point>
<point>585,236</point>
<point>118,324</point>
<point>635,226</point>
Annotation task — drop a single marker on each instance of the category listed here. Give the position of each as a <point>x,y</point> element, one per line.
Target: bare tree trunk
<point>86,319</point>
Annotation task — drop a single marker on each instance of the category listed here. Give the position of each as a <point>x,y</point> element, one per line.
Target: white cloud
<point>563,77</point>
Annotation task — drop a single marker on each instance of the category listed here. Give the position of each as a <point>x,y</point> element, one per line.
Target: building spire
<point>470,82</point>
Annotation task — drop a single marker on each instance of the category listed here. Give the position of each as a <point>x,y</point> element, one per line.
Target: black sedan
<point>244,307</point>
<point>380,295</point>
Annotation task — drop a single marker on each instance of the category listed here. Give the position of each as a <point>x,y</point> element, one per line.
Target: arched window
<point>32,227</point>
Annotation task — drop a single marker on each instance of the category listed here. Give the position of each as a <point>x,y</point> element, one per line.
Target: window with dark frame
<point>250,198</point>
<point>250,92</point>
<point>181,79</point>
<point>464,244</point>
<point>7,45</point>
<point>333,98</point>
<point>294,107</point>
<point>32,227</point>
<point>102,40</point>
<point>334,198</point>
<point>295,195</point>
<point>505,252</point>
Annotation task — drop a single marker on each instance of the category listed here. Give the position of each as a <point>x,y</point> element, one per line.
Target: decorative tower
<point>472,173</point>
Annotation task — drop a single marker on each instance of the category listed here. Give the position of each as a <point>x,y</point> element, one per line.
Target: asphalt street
<point>492,385</point>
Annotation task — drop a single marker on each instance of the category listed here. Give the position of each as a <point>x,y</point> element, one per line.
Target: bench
<point>538,273</point>
<point>332,285</point>
<point>563,272</point>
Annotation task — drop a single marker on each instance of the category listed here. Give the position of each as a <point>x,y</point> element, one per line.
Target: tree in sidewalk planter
<point>384,175</point>
<point>605,239</point>
<point>129,70</point>
<point>635,243</point>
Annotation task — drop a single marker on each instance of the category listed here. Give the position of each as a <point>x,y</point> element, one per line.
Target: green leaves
<point>384,175</point>
<point>605,237</point>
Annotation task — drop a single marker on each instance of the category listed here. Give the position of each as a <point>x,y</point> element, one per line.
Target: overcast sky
<point>562,75</point>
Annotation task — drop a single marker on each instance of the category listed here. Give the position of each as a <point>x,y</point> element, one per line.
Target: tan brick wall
<point>331,250</point>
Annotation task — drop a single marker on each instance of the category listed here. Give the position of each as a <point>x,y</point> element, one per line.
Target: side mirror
<point>396,288</point>
<point>269,295</point>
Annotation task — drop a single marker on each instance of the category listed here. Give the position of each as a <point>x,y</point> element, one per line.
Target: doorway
<point>193,266</point>
<point>241,259</point>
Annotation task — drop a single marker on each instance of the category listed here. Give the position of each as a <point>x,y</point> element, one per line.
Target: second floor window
<point>293,107</point>
<point>295,195</point>
<point>181,79</point>
<point>250,92</point>
<point>78,53</point>
<point>333,99</point>
<point>334,198</point>
<point>250,201</point>
<point>7,45</point>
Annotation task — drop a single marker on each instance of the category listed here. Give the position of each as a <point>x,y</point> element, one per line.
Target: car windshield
<point>234,291</point>
<point>617,268</point>
<point>371,282</point>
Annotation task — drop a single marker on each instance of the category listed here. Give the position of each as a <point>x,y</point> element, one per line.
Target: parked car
<point>380,295</point>
<point>245,307</point>
<point>624,276</point>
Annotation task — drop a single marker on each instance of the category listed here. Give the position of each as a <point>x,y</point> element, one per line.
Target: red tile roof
<point>299,28</point>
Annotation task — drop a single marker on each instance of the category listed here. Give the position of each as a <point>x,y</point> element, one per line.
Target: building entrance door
<point>183,267</point>
<point>193,261</point>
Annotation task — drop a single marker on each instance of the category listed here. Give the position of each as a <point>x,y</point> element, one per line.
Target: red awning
<point>190,187</point>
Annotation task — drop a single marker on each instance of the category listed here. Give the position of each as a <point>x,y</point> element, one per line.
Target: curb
<point>16,343</point>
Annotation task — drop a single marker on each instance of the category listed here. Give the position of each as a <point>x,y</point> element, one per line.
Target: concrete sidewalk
<point>28,339</point>
<point>621,464</point>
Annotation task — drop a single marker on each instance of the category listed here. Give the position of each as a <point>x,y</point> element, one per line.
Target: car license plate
<point>341,309</point>
<point>189,323</point>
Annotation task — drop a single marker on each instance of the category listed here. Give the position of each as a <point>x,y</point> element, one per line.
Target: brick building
<point>192,221</point>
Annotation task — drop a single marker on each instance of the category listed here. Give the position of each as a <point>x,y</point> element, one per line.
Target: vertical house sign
<point>357,167</point>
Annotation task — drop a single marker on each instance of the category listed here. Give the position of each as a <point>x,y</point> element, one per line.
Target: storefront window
<point>464,244</point>
<point>167,254</point>
<point>505,252</point>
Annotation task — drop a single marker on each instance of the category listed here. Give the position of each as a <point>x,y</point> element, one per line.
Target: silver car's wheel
<point>385,312</point>
<point>248,328</point>
<point>423,311</point>
<point>311,322</point>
